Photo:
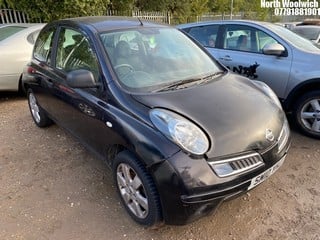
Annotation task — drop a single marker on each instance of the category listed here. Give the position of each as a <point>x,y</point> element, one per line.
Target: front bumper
<point>190,189</point>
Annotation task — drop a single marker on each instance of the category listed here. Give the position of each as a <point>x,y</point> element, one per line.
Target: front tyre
<point>38,114</point>
<point>136,189</point>
<point>307,114</point>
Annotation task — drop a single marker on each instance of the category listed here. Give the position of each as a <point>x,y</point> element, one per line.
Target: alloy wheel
<point>310,115</point>
<point>34,108</point>
<point>132,190</point>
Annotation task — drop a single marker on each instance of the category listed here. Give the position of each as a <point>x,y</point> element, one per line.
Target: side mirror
<point>81,79</point>
<point>273,49</point>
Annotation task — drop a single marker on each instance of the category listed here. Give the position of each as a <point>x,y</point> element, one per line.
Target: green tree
<point>180,10</point>
<point>152,5</point>
<point>122,5</point>
<point>252,10</point>
<point>3,4</point>
<point>220,6</point>
<point>49,10</point>
<point>199,7</point>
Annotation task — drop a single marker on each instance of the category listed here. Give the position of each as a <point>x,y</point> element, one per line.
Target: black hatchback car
<point>180,132</point>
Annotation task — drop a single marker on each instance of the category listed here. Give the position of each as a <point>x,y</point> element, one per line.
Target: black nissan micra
<point>180,133</point>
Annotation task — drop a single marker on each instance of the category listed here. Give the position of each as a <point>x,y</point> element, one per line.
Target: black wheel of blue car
<point>136,189</point>
<point>38,115</point>
<point>307,114</point>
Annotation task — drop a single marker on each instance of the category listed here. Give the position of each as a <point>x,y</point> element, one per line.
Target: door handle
<point>226,58</point>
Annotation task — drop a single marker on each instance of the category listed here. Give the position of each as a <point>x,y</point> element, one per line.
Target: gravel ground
<point>53,188</point>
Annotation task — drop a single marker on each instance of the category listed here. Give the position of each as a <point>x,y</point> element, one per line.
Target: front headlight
<point>267,90</point>
<point>180,130</point>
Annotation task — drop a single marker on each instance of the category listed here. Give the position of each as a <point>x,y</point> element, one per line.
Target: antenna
<point>141,23</point>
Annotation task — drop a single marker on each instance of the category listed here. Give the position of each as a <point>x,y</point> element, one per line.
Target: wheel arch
<point>138,136</point>
<point>299,90</point>
<point>151,149</point>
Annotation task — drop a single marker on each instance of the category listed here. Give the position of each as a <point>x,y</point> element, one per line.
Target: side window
<point>240,38</point>
<point>42,48</point>
<point>264,39</point>
<point>74,52</point>
<point>206,35</point>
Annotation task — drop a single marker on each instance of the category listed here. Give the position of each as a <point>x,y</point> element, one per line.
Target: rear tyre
<point>39,116</point>
<point>306,113</point>
<point>136,189</point>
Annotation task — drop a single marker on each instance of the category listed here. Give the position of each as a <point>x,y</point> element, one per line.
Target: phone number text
<point>296,11</point>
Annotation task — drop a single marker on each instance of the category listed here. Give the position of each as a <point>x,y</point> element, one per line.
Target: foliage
<point>3,4</point>
<point>252,10</point>
<point>121,5</point>
<point>198,8</point>
<point>49,10</point>
<point>180,10</point>
<point>152,5</point>
<point>220,6</point>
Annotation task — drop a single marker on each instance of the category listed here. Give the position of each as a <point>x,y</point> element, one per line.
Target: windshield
<point>309,33</point>
<point>293,38</point>
<point>147,59</point>
<point>8,31</point>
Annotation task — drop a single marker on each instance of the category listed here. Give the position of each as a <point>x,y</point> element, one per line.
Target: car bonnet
<point>232,111</point>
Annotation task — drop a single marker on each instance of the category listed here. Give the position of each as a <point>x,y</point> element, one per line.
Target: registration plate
<point>263,176</point>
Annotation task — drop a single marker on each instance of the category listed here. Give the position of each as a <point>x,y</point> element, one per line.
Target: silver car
<point>287,62</point>
<point>16,44</point>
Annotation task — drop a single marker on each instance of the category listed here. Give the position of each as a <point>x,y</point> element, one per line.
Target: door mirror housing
<point>81,79</point>
<point>274,49</point>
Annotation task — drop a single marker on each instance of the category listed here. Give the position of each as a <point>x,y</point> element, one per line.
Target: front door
<point>82,111</point>
<point>241,51</point>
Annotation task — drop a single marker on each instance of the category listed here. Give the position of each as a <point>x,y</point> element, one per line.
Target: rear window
<point>8,31</point>
<point>42,48</point>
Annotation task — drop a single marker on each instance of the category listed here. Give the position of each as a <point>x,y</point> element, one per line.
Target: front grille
<point>237,165</point>
<point>246,163</point>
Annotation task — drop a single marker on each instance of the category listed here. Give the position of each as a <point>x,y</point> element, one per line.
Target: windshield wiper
<point>189,82</point>
<point>177,84</point>
<point>211,77</point>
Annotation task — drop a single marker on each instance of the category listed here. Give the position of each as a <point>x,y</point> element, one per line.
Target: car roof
<point>105,23</point>
<point>251,22</point>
